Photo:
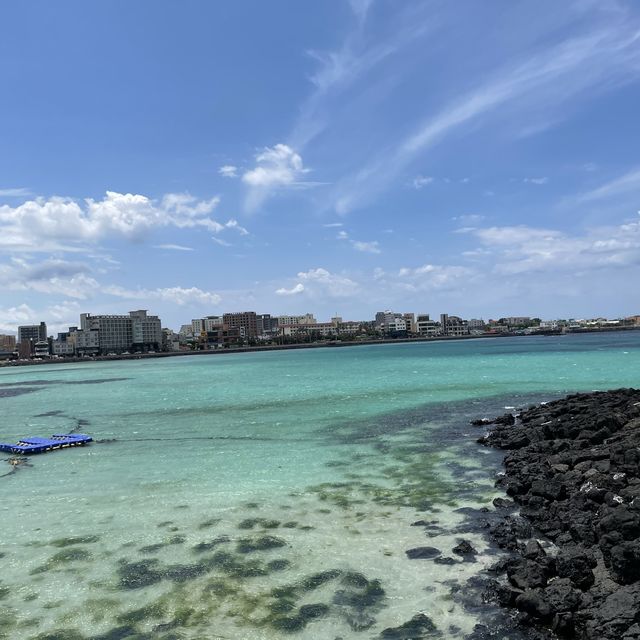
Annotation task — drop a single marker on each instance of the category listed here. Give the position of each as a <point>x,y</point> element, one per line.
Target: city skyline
<point>337,158</point>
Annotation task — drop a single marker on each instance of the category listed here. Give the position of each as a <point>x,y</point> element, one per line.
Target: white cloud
<point>12,317</point>
<point>421,181</point>
<point>233,224</point>
<point>510,236</point>
<point>430,277</point>
<point>367,247</point>
<point>58,317</point>
<point>298,288</point>
<point>359,245</point>
<point>322,282</point>
<point>65,224</point>
<point>523,249</point>
<point>52,277</point>
<point>174,295</point>
<point>277,167</point>
<point>228,171</point>
<point>332,225</point>
<point>173,247</point>
<point>538,181</point>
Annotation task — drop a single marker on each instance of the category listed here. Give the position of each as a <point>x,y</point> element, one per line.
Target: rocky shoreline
<point>572,520</point>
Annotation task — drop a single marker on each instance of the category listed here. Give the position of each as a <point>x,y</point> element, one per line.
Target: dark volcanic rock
<point>464,549</point>
<point>576,565</point>
<point>573,469</point>
<point>422,553</point>
<point>420,626</point>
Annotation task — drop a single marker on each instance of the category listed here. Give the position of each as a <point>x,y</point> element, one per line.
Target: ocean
<point>266,495</point>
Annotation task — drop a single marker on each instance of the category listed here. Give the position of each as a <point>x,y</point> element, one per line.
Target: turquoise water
<point>264,495</point>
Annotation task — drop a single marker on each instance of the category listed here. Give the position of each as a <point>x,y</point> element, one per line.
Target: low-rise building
<point>453,325</point>
<point>42,349</point>
<point>170,340</point>
<point>7,342</point>
<point>427,327</point>
<point>64,344</point>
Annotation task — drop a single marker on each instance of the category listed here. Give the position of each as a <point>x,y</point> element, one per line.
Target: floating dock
<point>42,445</point>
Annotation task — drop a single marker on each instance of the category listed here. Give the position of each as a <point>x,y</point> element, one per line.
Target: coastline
<point>277,347</point>
<point>286,347</point>
<point>572,524</point>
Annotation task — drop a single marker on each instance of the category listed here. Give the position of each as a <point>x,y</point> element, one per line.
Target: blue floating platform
<point>42,445</point>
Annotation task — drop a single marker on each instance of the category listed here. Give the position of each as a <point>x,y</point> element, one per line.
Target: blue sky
<point>479,159</point>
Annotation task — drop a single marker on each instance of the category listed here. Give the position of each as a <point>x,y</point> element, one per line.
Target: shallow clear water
<point>227,493</point>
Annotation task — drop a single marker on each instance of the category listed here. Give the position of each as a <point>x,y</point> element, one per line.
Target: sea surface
<point>266,495</point>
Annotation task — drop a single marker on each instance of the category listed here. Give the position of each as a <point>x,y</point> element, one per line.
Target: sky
<point>340,157</point>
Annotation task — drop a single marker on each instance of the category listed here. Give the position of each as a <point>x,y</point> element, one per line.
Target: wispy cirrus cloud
<point>539,82</point>
<point>173,247</point>
<point>622,185</point>
<point>18,192</point>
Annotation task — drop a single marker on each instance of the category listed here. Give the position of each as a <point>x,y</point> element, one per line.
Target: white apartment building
<point>396,324</point>
<point>210,323</point>
<point>117,333</point>
<point>323,329</point>
<point>474,323</point>
<point>306,319</point>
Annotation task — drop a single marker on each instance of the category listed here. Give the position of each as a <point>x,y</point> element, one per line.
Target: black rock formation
<point>573,469</point>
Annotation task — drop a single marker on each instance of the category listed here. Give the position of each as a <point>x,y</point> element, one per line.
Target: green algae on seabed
<point>209,545</point>
<point>411,482</point>
<point>100,608</point>
<point>61,559</point>
<point>208,523</point>
<point>152,548</point>
<point>155,610</point>
<point>263,523</point>
<point>61,634</point>
<point>260,543</point>
<point>73,540</point>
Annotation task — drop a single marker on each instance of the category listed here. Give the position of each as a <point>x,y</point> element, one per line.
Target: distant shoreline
<point>310,345</point>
